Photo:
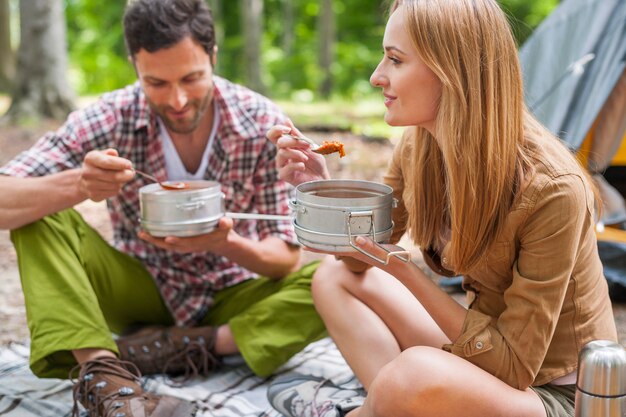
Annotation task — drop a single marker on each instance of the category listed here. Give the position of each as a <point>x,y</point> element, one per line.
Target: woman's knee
<point>327,278</point>
<point>406,385</point>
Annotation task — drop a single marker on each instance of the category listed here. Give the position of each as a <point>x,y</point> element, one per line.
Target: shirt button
<point>479,345</point>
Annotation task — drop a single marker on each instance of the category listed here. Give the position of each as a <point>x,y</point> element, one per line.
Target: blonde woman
<point>486,192</point>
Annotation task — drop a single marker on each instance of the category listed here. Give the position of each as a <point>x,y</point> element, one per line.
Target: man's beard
<point>187,125</point>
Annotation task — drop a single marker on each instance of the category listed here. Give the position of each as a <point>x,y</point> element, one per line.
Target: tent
<point>575,83</point>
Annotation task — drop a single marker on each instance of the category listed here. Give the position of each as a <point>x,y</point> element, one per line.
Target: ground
<point>366,159</point>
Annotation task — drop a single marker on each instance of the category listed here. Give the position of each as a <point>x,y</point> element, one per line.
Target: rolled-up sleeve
<point>84,130</point>
<point>512,343</point>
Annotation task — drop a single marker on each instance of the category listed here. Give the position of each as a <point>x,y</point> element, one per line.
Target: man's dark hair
<point>158,24</point>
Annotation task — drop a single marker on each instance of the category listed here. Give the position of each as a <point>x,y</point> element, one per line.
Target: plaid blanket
<point>232,391</point>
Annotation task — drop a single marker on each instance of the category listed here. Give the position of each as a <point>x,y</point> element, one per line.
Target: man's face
<point>178,83</point>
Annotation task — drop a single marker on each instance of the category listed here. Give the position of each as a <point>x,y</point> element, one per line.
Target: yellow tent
<point>603,149</point>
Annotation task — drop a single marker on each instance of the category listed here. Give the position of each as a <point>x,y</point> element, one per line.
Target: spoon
<point>168,185</point>
<point>314,146</point>
<point>326,148</point>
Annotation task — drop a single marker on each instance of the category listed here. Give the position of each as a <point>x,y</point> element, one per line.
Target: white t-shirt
<point>174,167</point>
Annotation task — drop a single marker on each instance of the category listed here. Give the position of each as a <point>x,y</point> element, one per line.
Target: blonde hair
<point>465,181</point>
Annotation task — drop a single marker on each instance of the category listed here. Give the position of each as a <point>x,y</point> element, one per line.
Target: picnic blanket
<point>230,392</point>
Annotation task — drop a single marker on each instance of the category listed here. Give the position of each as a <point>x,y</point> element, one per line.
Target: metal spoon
<point>314,145</point>
<point>325,149</point>
<point>168,185</point>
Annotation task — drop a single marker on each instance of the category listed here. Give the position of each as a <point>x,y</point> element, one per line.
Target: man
<point>190,300</point>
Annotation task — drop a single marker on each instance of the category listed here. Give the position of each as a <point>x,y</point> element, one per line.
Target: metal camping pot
<point>601,384</point>
<point>187,212</point>
<point>330,214</point>
<point>190,211</point>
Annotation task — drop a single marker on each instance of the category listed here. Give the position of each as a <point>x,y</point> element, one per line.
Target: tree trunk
<point>41,88</point>
<point>327,46</point>
<point>218,23</point>
<point>7,69</point>
<point>252,14</point>
<point>288,27</point>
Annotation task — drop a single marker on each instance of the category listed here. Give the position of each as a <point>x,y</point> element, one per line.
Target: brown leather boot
<point>187,351</point>
<point>109,387</point>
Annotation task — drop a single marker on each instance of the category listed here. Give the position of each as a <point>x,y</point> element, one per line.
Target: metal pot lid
<point>197,188</point>
<point>344,194</point>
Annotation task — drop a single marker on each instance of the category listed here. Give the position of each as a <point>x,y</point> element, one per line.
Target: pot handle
<point>194,205</point>
<point>385,261</point>
<point>293,205</point>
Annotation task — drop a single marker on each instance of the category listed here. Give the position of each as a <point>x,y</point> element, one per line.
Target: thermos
<point>601,382</point>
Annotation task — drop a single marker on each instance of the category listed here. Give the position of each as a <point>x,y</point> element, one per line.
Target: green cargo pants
<point>79,290</point>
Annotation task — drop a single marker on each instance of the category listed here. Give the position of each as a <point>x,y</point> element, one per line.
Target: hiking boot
<point>297,395</point>
<point>187,351</point>
<point>109,387</point>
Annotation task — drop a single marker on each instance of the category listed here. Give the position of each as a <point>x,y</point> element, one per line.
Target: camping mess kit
<point>327,215</point>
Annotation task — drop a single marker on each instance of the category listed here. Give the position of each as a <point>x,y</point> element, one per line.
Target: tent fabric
<point>620,156</point>
<point>575,83</point>
<point>609,128</point>
<point>607,136</point>
<point>613,204</point>
<point>571,64</point>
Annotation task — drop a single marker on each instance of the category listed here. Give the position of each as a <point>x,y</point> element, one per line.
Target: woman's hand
<point>368,245</point>
<point>296,162</point>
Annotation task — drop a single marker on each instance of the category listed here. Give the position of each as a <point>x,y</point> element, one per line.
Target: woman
<point>486,192</point>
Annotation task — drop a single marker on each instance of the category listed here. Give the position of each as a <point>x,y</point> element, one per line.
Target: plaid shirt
<point>241,160</point>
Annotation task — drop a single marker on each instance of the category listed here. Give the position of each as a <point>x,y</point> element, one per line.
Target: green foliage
<point>525,15</point>
<point>96,46</point>
<point>98,56</point>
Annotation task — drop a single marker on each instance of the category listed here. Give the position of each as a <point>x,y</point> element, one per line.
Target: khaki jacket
<point>540,293</point>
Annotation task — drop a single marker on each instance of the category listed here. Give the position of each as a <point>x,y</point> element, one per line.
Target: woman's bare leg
<point>425,381</point>
<point>371,317</point>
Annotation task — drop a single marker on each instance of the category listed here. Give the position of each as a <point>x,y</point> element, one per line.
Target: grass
<point>360,117</point>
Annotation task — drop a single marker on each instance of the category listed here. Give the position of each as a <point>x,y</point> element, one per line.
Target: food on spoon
<point>328,147</point>
<point>174,185</point>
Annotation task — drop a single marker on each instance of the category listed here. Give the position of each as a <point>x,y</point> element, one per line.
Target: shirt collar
<point>145,117</point>
<point>234,116</point>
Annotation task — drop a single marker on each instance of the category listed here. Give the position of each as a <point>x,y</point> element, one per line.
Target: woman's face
<point>411,89</point>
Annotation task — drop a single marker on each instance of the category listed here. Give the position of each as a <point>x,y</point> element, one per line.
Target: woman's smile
<point>389,99</point>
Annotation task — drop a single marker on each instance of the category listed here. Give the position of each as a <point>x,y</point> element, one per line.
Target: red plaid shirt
<point>241,160</point>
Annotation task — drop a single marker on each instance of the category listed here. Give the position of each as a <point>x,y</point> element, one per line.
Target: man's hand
<point>215,241</point>
<point>103,174</point>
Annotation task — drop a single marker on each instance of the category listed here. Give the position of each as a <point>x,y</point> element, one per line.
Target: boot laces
<point>197,357</point>
<point>90,393</point>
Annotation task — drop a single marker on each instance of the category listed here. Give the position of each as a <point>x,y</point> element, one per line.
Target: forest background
<point>312,56</point>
